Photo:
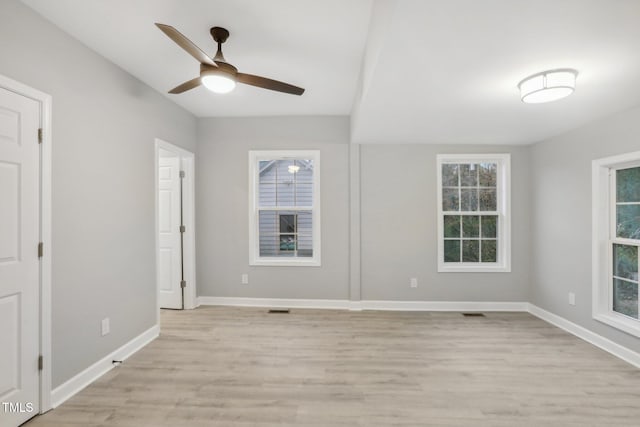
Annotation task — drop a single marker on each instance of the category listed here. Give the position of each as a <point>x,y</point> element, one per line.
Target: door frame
<point>45,102</point>
<point>187,163</point>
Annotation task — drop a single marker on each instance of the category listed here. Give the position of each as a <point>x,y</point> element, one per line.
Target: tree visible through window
<point>616,241</point>
<point>472,209</point>
<point>625,242</point>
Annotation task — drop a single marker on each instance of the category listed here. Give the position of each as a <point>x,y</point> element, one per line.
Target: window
<point>616,229</point>
<point>473,213</point>
<point>284,208</point>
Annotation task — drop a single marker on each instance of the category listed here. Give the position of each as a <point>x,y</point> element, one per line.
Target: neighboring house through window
<point>474,213</point>
<point>285,208</point>
<point>616,239</point>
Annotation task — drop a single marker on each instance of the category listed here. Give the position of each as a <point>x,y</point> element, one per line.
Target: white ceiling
<point>317,45</point>
<point>408,71</point>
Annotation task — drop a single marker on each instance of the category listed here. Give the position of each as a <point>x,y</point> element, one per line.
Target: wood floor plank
<point>224,366</point>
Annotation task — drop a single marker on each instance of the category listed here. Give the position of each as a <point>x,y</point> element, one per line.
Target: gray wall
<point>104,125</point>
<point>399,227</point>
<point>222,205</point>
<point>561,226</point>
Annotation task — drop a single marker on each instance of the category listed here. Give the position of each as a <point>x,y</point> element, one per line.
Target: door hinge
<point>40,136</point>
<point>183,229</point>
<point>40,250</point>
<point>182,174</point>
<point>183,283</point>
<point>40,363</point>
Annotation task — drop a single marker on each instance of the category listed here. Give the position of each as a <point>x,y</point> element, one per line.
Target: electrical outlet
<point>572,298</point>
<point>105,326</point>
<point>244,279</point>
<point>413,282</point>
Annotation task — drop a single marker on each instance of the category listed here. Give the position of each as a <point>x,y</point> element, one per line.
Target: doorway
<point>25,252</point>
<point>175,222</point>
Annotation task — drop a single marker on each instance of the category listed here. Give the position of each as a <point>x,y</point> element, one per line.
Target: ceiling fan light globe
<point>218,83</point>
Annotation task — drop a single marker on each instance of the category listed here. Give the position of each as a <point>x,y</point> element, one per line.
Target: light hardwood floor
<point>218,366</point>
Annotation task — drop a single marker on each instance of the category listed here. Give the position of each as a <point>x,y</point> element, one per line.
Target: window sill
<point>473,268</point>
<point>278,262</point>
<point>618,321</point>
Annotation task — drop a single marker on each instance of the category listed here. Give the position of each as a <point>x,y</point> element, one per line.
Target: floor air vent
<point>279,310</point>
<point>473,314</point>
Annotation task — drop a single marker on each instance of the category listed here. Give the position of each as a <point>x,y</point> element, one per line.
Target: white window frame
<point>254,240</point>
<point>503,211</point>
<point>603,236</point>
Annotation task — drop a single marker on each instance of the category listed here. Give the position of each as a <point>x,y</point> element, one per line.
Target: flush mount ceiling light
<point>548,86</point>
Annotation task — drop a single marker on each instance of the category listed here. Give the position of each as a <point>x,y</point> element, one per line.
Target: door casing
<point>187,162</point>
<point>45,231</point>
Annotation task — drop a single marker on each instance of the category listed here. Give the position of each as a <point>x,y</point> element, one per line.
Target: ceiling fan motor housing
<point>219,34</point>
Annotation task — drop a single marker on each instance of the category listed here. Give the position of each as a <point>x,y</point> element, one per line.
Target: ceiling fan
<point>217,74</point>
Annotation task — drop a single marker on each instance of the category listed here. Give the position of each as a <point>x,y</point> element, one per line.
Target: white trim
<point>364,305</point>
<point>45,101</point>
<point>254,242</point>
<point>444,306</point>
<point>602,210</point>
<point>187,162</point>
<point>599,341</point>
<point>334,304</point>
<point>72,386</point>
<point>503,194</point>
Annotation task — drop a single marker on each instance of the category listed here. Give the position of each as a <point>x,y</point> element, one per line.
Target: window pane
<point>305,171</point>
<point>469,200</point>
<point>452,226</point>
<point>287,223</point>
<point>470,250</point>
<point>304,194</point>
<point>449,175</point>
<point>267,194</point>
<point>305,222</point>
<point>628,185</point>
<point>267,171</point>
<point>305,246</point>
<point>625,261</point>
<point>469,175</point>
<point>489,225</point>
<point>268,222</point>
<point>287,242</point>
<point>470,226</point>
<point>488,174</point>
<point>285,192</point>
<point>488,200</point>
<point>489,252</point>
<point>452,251</point>
<point>284,171</point>
<point>450,199</point>
<point>269,244</point>
<point>628,221</point>
<point>625,298</point>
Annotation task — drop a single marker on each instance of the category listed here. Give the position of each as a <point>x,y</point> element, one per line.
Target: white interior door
<point>19,265</point>
<point>169,221</point>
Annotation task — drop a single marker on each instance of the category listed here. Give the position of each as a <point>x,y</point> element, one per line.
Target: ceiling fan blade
<point>182,41</point>
<point>186,86</point>
<point>263,82</point>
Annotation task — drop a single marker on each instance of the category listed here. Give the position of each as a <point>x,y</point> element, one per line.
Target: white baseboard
<point>364,305</point>
<point>442,305</point>
<point>605,344</point>
<point>336,304</point>
<point>72,386</point>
